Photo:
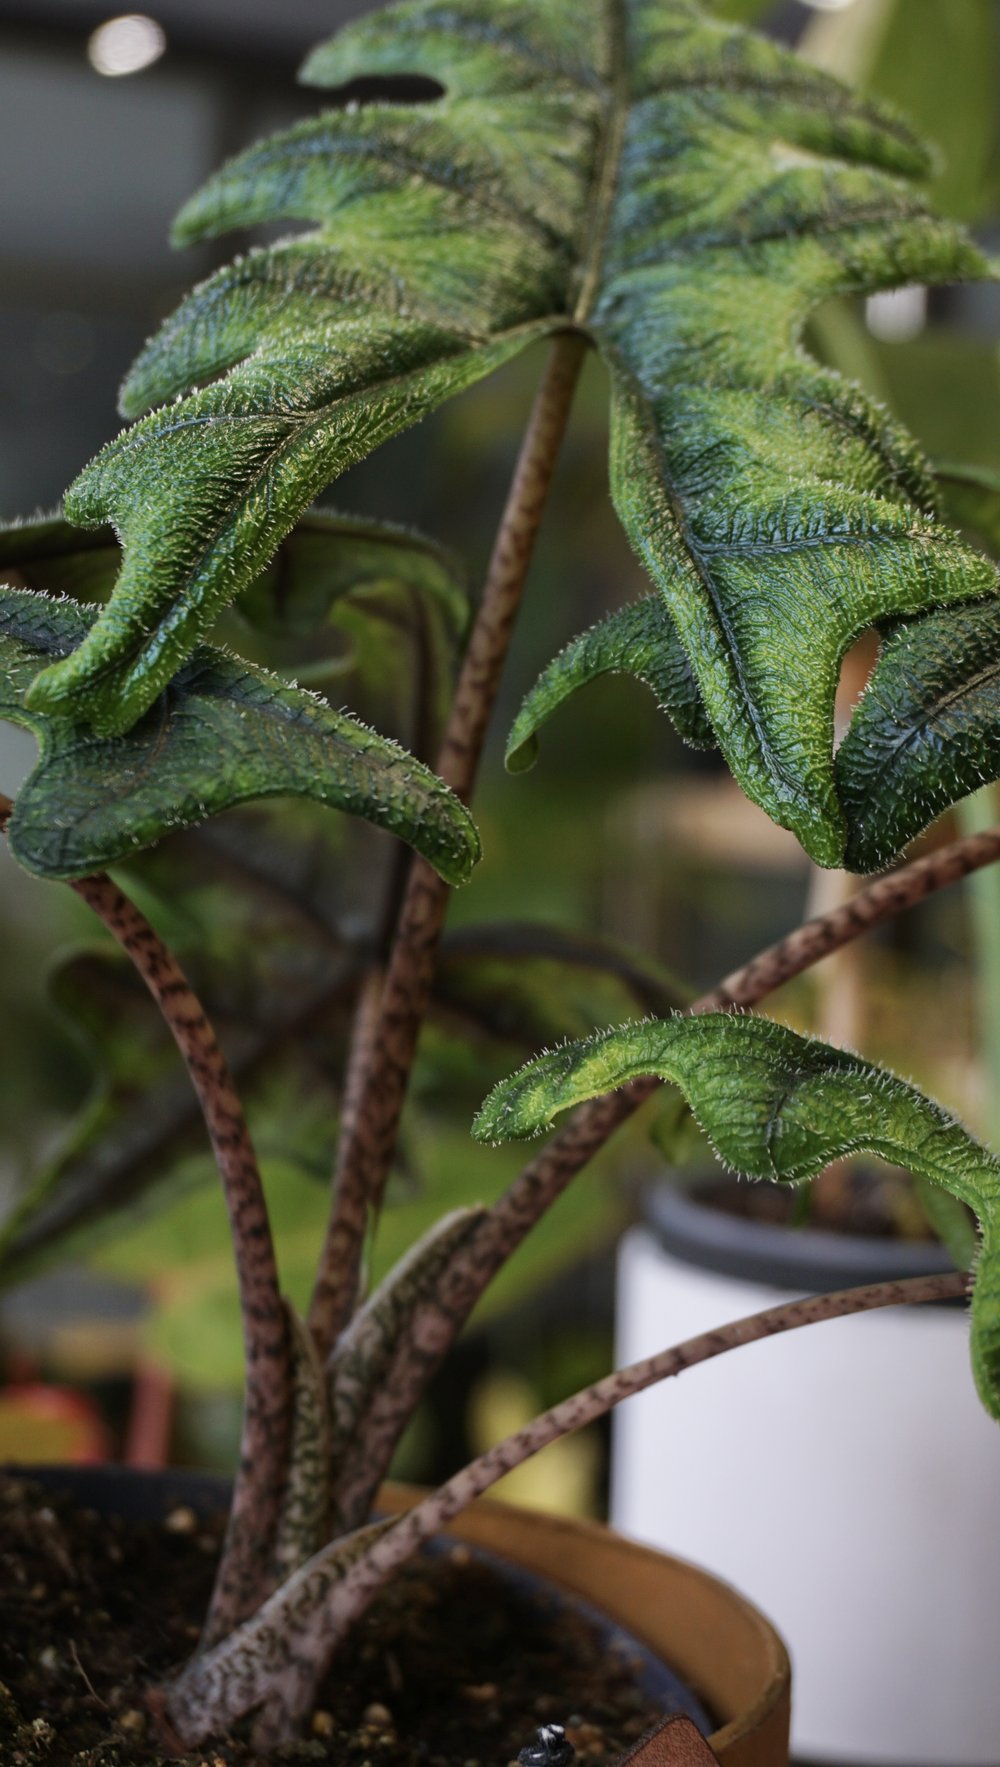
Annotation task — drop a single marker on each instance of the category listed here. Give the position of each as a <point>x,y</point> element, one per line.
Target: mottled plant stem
<point>594,1401</point>
<point>278,1660</point>
<point>241,1579</point>
<point>437,1321</point>
<point>368,1138</point>
<point>240,1583</point>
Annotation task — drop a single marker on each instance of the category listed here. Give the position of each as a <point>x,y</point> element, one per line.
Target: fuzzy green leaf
<point>201,493</point>
<point>386,604</point>
<point>780,1106</point>
<point>373,612</point>
<point>926,732</point>
<point>639,640</point>
<point>684,192</point>
<point>223,732</point>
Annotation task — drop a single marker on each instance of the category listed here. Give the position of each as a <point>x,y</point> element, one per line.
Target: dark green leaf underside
<point>926,732</point>
<point>327,555</point>
<point>221,734</point>
<point>780,1106</point>
<point>685,192</point>
<point>372,611</point>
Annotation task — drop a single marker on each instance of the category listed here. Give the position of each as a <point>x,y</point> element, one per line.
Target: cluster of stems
<point>389,1016</point>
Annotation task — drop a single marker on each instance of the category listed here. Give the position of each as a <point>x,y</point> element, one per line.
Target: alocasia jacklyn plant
<point>625,176</point>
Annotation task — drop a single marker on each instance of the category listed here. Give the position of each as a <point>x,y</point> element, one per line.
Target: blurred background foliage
<point>620,841</point>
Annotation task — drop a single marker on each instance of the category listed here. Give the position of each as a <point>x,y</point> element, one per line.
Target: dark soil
<point>450,1668</point>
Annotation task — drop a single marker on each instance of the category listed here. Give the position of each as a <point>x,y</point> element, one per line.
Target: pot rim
<point>794,1258</point>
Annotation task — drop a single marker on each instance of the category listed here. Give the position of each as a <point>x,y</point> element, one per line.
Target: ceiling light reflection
<point>126,45</point>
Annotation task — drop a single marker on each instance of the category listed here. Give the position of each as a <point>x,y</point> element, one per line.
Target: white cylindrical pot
<point>845,1477</point>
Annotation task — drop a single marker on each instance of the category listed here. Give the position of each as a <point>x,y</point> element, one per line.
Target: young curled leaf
<point>223,733</point>
<point>781,1106</point>
<point>639,640</point>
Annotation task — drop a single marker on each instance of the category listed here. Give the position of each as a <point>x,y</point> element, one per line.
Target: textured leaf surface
<point>685,192</point>
<point>370,612</point>
<point>222,733</point>
<point>202,493</point>
<point>268,1656</point>
<point>940,64</point>
<point>326,556</point>
<point>302,1521</point>
<point>380,1332</point>
<point>926,732</point>
<point>777,1105</point>
<point>639,640</point>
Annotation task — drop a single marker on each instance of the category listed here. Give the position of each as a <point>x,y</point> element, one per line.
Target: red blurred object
<point>42,1425</point>
<point>147,1438</point>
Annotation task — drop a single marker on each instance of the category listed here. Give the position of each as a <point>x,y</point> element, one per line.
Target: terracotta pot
<point>726,1651</point>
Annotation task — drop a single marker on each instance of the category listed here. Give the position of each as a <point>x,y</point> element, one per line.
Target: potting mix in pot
<point>453,1663</point>
<point>634,178</point>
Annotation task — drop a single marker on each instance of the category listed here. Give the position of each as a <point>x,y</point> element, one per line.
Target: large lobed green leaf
<point>221,733</point>
<point>781,1106</point>
<point>683,192</point>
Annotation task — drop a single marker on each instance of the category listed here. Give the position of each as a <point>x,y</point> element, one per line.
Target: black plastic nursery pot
<point>689,1224</point>
<point>695,1643</point>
